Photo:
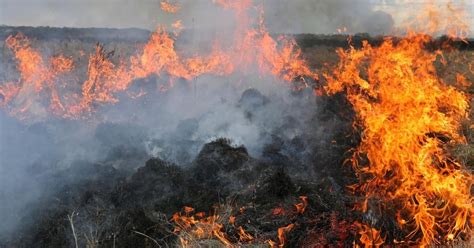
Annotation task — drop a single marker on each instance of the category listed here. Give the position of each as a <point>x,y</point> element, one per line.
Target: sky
<point>299,16</point>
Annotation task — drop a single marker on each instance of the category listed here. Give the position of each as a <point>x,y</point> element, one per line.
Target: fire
<point>252,47</point>
<point>282,231</point>
<point>192,227</point>
<point>103,80</point>
<point>8,91</point>
<point>168,7</point>
<point>256,45</point>
<point>434,18</point>
<point>198,226</point>
<point>178,26</point>
<point>36,76</point>
<point>301,207</point>
<point>369,237</point>
<point>409,118</point>
<point>244,236</point>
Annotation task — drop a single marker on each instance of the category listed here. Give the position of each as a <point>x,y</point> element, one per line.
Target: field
<point>293,193</point>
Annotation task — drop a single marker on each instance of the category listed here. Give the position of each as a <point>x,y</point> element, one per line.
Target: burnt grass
<point>113,208</point>
<point>110,207</point>
<point>116,208</point>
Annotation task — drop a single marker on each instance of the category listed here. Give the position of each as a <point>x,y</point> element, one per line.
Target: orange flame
<point>369,237</point>
<point>282,231</point>
<point>244,236</point>
<point>198,227</point>
<point>168,7</point>
<point>434,18</point>
<point>252,46</point>
<point>36,76</point>
<point>409,116</point>
<point>301,207</point>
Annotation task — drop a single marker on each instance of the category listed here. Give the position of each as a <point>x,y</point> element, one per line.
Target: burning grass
<point>408,117</point>
<point>408,100</point>
<point>258,219</point>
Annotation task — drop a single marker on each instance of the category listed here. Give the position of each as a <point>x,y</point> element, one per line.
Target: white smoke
<point>300,16</point>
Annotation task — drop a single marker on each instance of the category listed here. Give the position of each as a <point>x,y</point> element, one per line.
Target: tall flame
<point>409,118</point>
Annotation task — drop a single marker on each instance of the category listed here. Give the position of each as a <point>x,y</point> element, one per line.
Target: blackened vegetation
<point>94,35</point>
<point>135,35</point>
<point>113,205</point>
<point>110,208</point>
<point>339,40</point>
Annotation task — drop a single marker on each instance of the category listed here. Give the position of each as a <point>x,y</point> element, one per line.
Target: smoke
<point>326,16</point>
<point>304,16</point>
<point>250,109</point>
<point>172,125</point>
<point>80,13</point>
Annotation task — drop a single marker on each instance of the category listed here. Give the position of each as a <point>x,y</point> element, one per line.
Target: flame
<point>36,76</point>
<point>198,226</point>
<point>448,18</point>
<point>282,231</point>
<point>192,227</point>
<point>369,237</point>
<point>103,80</point>
<point>301,207</point>
<point>244,236</point>
<point>256,45</point>
<point>168,7</point>
<point>178,27</point>
<point>252,47</point>
<point>8,91</point>
<point>409,117</point>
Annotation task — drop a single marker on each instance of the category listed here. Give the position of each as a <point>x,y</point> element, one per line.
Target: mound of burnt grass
<point>101,207</point>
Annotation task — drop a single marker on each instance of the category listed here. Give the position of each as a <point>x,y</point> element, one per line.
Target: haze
<point>300,16</point>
